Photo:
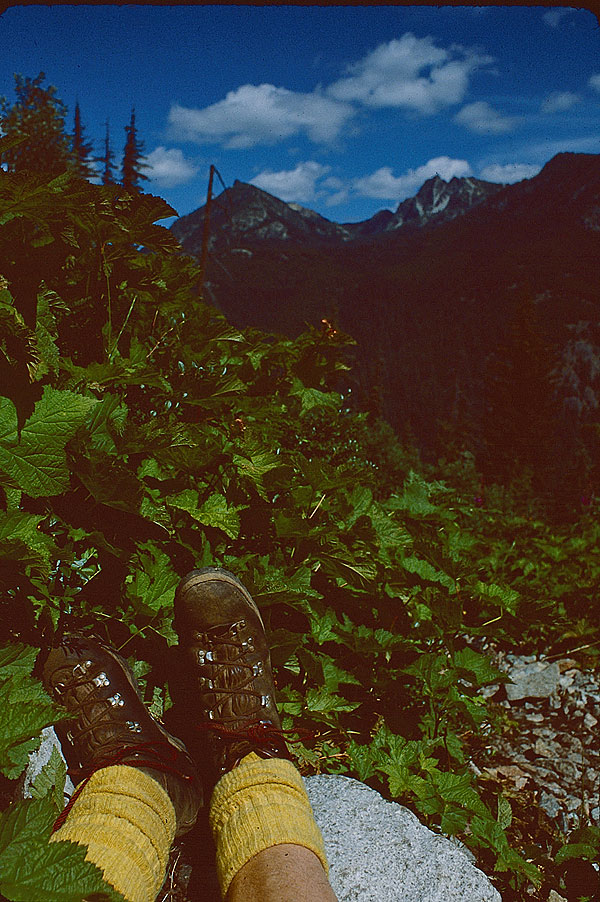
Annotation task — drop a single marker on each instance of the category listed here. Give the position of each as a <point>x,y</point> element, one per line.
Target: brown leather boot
<point>227,668</point>
<point>111,725</point>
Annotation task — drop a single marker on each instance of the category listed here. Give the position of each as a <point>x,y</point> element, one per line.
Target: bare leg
<point>282,873</point>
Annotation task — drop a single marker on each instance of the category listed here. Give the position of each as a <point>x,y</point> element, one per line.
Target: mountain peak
<point>442,200</point>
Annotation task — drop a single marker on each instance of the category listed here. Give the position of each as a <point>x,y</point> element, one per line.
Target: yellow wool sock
<point>259,804</point>
<point>127,822</point>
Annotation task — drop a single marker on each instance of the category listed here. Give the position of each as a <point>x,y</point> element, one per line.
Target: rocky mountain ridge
<point>246,213</point>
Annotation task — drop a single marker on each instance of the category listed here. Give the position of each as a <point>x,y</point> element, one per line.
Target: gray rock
<point>549,804</point>
<point>379,851</point>
<point>532,681</point>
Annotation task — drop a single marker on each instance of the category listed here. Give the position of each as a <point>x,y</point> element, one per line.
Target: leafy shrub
<point>141,436</point>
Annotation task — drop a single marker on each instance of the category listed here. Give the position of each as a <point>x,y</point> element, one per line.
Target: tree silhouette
<point>38,117</point>
<point>107,159</point>
<point>133,157</point>
<point>82,149</point>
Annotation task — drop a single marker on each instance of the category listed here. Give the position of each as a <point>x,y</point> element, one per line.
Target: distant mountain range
<point>246,213</point>
<point>427,291</point>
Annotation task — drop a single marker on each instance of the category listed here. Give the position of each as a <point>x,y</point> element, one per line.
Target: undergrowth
<point>141,436</point>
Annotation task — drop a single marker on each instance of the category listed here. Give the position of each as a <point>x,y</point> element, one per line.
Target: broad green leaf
<point>576,850</point>
<point>34,870</point>
<point>22,541</point>
<point>24,710</point>
<point>17,659</point>
<point>458,788</point>
<point>321,626</point>
<point>414,499</point>
<point>427,571</point>
<point>333,675</point>
<point>454,820</point>
<point>38,462</point>
<point>107,416</point>
<point>501,595</point>
<point>255,465</point>
<point>283,587</point>
<point>361,500</point>
<point>389,533</point>
<point>324,702</point>
<point>479,666</point>
<point>8,422</point>
<point>361,758</point>
<point>153,582</point>
<point>217,513</point>
<point>312,397</point>
<point>402,780</point>
<point>51,779</point>
<point>504,812</point>
<point>341,564</point>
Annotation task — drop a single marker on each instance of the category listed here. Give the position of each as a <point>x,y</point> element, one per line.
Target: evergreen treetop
<point>133,157</point>
<point>82,149</point>
<point>108,177</point>
<point>38,116</point>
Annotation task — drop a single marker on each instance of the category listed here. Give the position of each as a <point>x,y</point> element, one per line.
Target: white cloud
<point>553,17</point>
<point>412,73</point>
<point>558,101</point>
<point>385,185</point>
<point>483,119</point>
<point>594,82</point>
<point>261,114</point>
<point>169,167</point>
<point>340,197</point>
<point>297,184</point>
<point>508,173</point>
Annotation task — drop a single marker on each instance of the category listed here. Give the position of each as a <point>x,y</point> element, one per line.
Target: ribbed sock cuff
<point>127,822</point>
<point>259,804</point>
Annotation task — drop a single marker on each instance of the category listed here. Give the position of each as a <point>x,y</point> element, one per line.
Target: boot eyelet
<point>116,700</point>
<point>81,668</point>
<point>101,680</point>
<point>265,701</point>
<point>257,669</point>
<point>134,726</point>
<point>60,688</point>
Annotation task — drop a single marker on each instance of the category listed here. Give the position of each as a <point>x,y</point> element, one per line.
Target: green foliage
<point>34,870</point>
<point>25,709</point>
<point>144,436</point>
<point>38,116</point>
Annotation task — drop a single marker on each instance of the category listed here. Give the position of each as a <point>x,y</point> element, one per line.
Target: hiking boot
<point>227,670</point>
<point>111,725</point>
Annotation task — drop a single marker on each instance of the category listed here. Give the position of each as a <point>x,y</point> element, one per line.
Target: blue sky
<point>343,109</point>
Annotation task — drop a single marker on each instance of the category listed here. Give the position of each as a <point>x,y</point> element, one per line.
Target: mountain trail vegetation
<point>141,435</point>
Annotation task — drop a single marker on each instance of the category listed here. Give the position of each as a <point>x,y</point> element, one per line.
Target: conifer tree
<point>38,116</point>
<point>82,149</point>
<point>108,177</point>
<point>133,157</point>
